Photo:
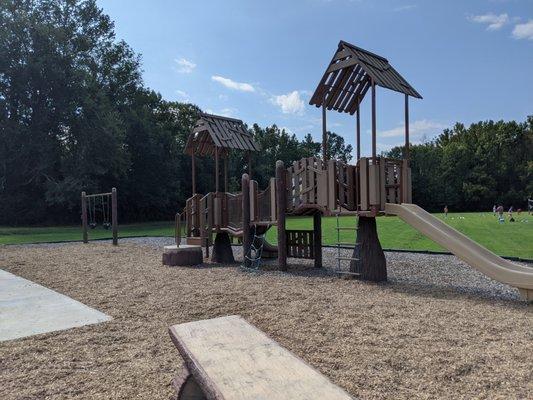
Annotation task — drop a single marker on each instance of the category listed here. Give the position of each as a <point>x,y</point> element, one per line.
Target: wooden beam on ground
<point>230,359</point>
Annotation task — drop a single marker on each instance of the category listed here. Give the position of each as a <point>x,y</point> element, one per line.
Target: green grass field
<point>508,239</point>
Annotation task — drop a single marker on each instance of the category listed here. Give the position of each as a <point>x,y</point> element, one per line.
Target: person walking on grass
<point>494,208</point>
<point>499,210</point>
<point>445,211</point>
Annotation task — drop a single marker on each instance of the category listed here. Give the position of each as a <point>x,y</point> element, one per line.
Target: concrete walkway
<point>27,309</point>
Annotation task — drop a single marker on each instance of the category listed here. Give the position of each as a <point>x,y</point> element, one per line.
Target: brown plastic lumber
<point>466,249</point>
<point>374,128</point>
<point>231,359</point>
<point>246,239</point>
<point>317,238</point>
<point>114,216</point>
<point>406,150</point>
<point>84,217</point>
<point>281,204</point>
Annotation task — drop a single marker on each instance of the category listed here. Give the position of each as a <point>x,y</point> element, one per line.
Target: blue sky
<point>260,61</point>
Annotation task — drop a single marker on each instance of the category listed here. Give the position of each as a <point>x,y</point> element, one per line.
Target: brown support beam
<point>250,164</point>
<point>114,216</point>
<point>84,217</point>
<point>324,134</point>
<point>374,133</point>
<point>317,239</point>
<point>193,173</point>
<point>226,172</point>
<point>217,170</point>
<point>406,150</point>
<point>281,203</point>
<point>358,132</point>
<point>246,238</point>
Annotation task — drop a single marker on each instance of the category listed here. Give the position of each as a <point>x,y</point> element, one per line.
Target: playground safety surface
<point>437,329</point>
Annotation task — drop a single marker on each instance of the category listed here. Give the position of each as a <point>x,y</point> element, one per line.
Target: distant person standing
<point>445,211</point>
<point>499,210</point>
<point>511,219</point>
<point>494,208</point>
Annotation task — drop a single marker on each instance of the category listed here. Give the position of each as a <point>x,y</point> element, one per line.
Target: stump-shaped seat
<point>182,255</point>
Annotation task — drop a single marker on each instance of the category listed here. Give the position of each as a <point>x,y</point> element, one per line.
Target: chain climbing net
<point>255,252</point>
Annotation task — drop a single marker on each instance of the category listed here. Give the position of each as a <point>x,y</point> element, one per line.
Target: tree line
<point>75,115</point>
<point>474,168</point>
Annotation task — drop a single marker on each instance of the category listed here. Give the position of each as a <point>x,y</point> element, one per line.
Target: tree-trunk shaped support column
<point>222,252</point>
<point>371,263</point>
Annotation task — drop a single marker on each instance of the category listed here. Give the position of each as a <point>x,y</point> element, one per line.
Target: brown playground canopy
<point>214,132</point>
<point>350,75</point>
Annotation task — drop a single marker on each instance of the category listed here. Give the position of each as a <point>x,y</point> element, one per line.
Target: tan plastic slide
<point>466,249</point>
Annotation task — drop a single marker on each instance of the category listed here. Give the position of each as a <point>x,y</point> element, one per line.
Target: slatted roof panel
<point>212,131</point>
<point>349,76</point>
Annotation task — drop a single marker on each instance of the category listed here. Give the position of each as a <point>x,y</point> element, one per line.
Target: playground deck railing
<point>333,187</point>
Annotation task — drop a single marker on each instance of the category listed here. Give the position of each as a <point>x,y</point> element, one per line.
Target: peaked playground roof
<point>215,131</point>
<point>349,76</point>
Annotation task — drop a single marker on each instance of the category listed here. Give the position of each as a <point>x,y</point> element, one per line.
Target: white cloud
<point>493,21</point>
<point>231,84</point>
<point>183,95</point>
<point>419,128</point>
<point>225,112</point>
<point>524,31</point>
<point>404,8</point>
<point>185,66</point>
<point>290,103</point>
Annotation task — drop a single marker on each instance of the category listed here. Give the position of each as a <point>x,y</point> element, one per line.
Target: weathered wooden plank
<point>232,360</point>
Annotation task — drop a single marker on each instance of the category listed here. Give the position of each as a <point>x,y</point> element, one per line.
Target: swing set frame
<point>114,218</point>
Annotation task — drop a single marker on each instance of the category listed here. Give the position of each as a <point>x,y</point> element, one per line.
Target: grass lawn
<point>509,239</point>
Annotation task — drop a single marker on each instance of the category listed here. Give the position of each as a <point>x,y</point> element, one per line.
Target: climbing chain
<point>255,252</point>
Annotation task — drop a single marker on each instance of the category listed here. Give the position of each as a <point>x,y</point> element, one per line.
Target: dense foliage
<point>474,168</point>
<point>75,115</point>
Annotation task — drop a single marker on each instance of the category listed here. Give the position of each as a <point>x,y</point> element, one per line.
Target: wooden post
<point>193,173</point>
<point>281,203</point>
<point>249,164</point>
<point>406,150</point>
<point>317,238</point>
<point>114,216</point>
<point>358,133</point>
<point>226,173</point>
<point>246,238</point>
<point>374,133</point>
<point>84,217</point>
<point>178,229</point>
<point>324,134</point>
<point>217,170</point>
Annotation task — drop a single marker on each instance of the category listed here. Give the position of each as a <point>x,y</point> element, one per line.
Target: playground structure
<point>106,204</point>
<point>321,187</point>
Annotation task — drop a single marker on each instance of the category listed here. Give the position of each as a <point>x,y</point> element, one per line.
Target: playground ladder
<point>339,244</point>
